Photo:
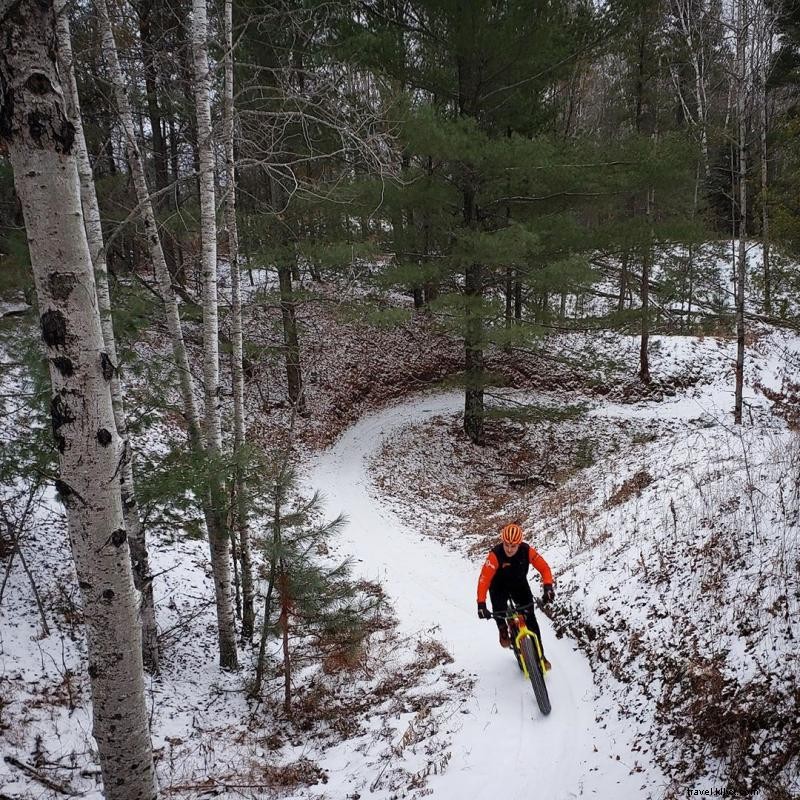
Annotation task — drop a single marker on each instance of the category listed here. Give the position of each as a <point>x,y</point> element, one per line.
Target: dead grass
<point>634,485</point>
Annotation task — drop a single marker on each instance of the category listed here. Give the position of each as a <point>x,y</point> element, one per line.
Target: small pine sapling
<point>312,596</point>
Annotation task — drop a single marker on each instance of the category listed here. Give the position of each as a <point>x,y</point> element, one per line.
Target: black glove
<point>548,594</point>
<point>483,612</point>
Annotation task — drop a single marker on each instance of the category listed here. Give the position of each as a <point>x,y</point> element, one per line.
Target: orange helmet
<point>511,533</point>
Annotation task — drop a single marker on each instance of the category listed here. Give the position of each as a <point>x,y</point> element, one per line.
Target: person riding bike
<point>504,575</point>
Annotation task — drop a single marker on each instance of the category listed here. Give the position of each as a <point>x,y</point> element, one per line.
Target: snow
<point>675,553</point>
<point>690,581</point>
<point>499,730</point>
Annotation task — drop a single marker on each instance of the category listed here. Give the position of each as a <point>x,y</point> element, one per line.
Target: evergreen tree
<point>311,597</point>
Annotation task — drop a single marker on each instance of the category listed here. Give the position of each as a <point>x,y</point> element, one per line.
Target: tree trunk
<point>215,527</point>
<point>94,234</point>
<point>294,374</point>
<point>741,59</point>
<point>644,360</point>
<point>248,608</point>
<point>39,139</point>
<point>623,279</point>
<point>146,11</point>
<point>509,292</point>
<point>218,531</point>
<point>283,583</point>
<point>473,359</point>
<point>473,339</point>
<point>764,180</point>
<point>291,340</point>
<point>150,227</point>
<point>644,357</point>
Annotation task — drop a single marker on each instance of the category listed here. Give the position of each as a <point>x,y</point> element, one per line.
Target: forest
<point>302,303</point>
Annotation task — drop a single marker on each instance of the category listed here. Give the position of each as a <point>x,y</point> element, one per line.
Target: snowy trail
<point>500,741</point>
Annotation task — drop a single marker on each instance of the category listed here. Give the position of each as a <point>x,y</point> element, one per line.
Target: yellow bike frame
<point>523,631</point>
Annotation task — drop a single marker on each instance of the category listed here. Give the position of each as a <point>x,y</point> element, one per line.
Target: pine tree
<point>313,599</point>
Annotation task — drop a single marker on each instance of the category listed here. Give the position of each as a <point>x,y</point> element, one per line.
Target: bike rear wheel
<point>534,670</point>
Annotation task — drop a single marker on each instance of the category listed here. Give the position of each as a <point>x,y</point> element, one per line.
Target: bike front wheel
<point>534,670</point>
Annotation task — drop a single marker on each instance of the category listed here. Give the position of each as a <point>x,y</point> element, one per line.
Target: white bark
<point>218,529</point>
<point>94,235</point>
<point>213,505</point>
<point>40,138</point>
<point>248,608</point>
<point>208,226</point>
<point>687,14</point>
<point>148,218</point>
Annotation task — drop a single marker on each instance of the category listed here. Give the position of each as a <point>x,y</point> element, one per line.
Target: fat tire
<point>535,675</point>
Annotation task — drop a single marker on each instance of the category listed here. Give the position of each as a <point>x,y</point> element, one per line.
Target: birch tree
<point>218,533</point>
<point>40,140</point>
<point>154,247</point>
<point>248,609</point>
<point>208,445</point>
<point>94,235</point>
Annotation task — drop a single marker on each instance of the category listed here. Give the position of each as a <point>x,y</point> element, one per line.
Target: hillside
<point>673,536</point>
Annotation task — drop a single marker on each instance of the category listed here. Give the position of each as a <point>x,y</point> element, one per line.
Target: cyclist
<point>504,575</point>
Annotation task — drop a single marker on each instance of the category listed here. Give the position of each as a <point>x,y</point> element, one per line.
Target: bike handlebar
<point>511,612</point>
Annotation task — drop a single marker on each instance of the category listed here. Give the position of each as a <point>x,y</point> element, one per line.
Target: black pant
<point>522,596</point>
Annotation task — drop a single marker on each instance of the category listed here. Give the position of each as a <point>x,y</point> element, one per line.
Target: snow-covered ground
<point>674,539</point>
<point>497,737</point>
<point>673,536</point>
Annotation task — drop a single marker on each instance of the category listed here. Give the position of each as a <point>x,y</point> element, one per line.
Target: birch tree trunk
<point>213,512</point>
<point>39,138</point>
<point>741,126</point>
<point>94,234</point>
<point>151,229</point>
<point>248,607</point>
<point>219,534</point>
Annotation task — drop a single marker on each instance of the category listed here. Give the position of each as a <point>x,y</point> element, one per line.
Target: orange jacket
<point>492,564</point>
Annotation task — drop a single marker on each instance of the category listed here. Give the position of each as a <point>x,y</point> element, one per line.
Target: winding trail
<point>501,745</point>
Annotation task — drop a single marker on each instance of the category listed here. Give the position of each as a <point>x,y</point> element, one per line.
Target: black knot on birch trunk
<point>85,585</point>
<point>93,671</point>
<point>6,111</point>
<point>54,328</point>
<point>107,366</point>
<point>104,437</point>
<point>60,415</point>
<point>118,537</point>
<point>37,124</point>
<point>63,365</point>
<point>64,136</point>
<point>63,491</point>
<point>108,594</point>
<point>62,284</point>
<point>38,83</point>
